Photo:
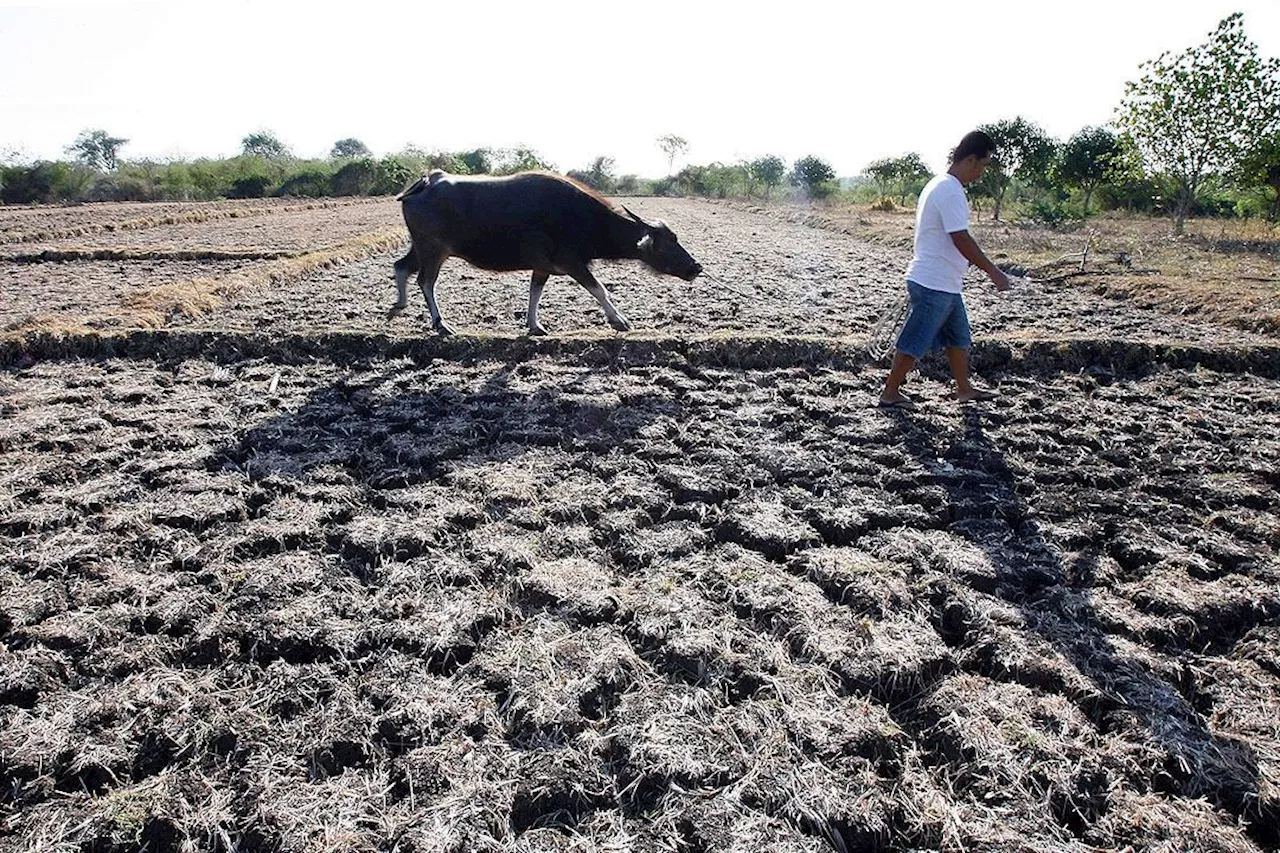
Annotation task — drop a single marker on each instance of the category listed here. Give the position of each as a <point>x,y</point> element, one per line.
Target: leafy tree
<point>312,180</point>
<point>673,146</point>
<point>1023,151</point>
<point>1195,113</point>
<point>264,144</point>
<point>355,177</point>
<point>882,173</point>
<point>768,170</point>
<point>598,176</point>
<point>692,180</point>
<point>1260,167</point>
<point>910,173</point>
<point>508,161</point>
<point>349,149</point>
<point>97,149</point>
<point>813,175</point>
<point>476,162</point>
<point>395,172</point>
<point>1126,183</point>
<point>722,181</point>
<point>1084,160</point>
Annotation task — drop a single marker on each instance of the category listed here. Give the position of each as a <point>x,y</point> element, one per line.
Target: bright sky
<point>577,79</point>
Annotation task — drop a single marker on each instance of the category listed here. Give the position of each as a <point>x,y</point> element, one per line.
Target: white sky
<point>576,79</point>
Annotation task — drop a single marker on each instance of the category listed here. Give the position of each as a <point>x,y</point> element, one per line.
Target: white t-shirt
<point>942,210</point>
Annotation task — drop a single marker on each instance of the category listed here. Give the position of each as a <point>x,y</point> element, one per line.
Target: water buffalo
<point>530,221</point>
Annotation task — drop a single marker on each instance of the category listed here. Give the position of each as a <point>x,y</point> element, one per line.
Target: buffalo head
<point>660,249</point>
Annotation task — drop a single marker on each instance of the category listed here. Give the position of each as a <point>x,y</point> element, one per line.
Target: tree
<point>882,172</point>
<point>264,144</point>
<point>768,170</point>
<point>598,176</point>
<point>349,149</point>
<point>97,149</point>
<point>910,173</point>
<point>673,146</point>
<point>1260,167</point>
<point>508,161</point>
<point>357,176</point>
<point>814,175</point>
<point>477,162</point>
<point>1023,151</point>
<point>1194,113</point>
<point>1085,159</point>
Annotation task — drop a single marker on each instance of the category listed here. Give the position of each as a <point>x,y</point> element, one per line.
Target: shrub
<point>357,177</point>
<point>45,182</point>
<point>250,186</point>
<point>308,182</point>
<point>393,174</point>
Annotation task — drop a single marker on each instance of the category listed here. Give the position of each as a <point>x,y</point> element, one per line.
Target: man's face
<point>973,167</point>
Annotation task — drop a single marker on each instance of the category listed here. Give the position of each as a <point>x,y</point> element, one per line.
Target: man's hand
<point>1000,280</point>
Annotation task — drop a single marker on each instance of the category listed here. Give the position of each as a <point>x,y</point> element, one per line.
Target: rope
<point>885,330</point>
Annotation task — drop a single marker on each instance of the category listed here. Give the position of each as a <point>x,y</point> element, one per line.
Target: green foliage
<point>349,149</point>
<point>769,170</point>
<point>882,173</point>
<point>393,173</point>
<point>598,176</point>
<point>264,144</point>
<point>356,177</point>
<point>508,161</point>
<point>97,149</point>
<point>309,180</point>
<point>249,186</point>
<point>667,186</point>
<point>1084,160</point>
<point>723,181</point>
<point>1197,112</point>
<point>905,175</point>
<point>715,180</point>
<point>628,185</point>
<point>1259,169</point>
<point>814,176</point>
<point>1023,151</point>
<point>475,162</point>
<point>45,182</point>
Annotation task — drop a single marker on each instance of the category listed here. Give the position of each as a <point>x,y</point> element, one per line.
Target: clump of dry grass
<point>153,306</point>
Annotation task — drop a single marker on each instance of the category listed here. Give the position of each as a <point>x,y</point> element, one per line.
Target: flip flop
<point>981,396</point>
<point>905,404</point>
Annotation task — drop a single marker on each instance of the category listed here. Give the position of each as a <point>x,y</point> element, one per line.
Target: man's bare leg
<point>958,360</point>
<point>902,364</point>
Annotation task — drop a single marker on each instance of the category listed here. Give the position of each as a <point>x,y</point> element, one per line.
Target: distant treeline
<point>1044,179</point>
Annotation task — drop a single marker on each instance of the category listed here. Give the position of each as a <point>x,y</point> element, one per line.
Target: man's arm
<point>973,254</point>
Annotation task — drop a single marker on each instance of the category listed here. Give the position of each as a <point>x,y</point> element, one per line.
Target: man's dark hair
<point>975,144</point>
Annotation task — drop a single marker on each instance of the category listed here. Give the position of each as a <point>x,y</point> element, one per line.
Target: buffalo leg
<point>583,276</point>
<point>536,284</point>
<point>404,267</point>
<point>431,263</point>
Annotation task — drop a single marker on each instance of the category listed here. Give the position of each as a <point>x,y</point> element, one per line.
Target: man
<point>943,251</point>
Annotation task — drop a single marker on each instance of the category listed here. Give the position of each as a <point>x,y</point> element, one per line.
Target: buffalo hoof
<point>395,309</point>
<point>442,328</point>
<point>538,330</point>
<point>620,323</point>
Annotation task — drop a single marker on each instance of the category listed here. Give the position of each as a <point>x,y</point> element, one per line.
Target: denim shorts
<point>937,319</point>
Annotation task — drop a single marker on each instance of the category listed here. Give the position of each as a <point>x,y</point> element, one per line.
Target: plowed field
<point>281,573</point>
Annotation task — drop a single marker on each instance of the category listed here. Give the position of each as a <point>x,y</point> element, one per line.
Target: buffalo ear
<point>646,242</point>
